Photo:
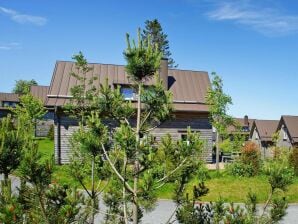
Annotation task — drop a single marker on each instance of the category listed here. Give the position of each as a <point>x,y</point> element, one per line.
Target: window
<point>245,129</point>
<point>9,104</point>
<point>128,93</point>
<point>285,136</point>
<point>257,135</point>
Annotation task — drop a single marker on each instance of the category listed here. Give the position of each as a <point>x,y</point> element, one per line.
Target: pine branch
<point>127,186</point>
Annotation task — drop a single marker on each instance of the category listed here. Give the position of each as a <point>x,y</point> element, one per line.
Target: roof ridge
<point>99,63</point>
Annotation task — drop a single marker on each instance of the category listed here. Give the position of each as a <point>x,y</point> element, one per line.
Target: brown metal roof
<point>265,128</point>
<point>291,123</point>
<point>40,92</point>
<point>239,121</point>
<point>188,87</point>
<point>9,97</point>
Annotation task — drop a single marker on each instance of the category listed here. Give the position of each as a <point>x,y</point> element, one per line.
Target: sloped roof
<point>240,121</point>
<point>265,128</point>
<point>291,123</point>
<point>40,92</point>
<point>188,87</point>
<point>10,97</point>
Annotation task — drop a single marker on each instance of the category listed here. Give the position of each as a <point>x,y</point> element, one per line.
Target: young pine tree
<point>114,146</point>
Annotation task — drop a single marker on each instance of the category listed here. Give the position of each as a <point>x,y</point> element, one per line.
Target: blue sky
<point>252,45</point>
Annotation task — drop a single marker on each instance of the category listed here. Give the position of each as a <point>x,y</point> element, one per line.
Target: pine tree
<point>154,30</point>
<point>114,145</point>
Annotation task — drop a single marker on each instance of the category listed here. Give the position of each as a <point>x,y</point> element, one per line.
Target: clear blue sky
<point>252,45</point>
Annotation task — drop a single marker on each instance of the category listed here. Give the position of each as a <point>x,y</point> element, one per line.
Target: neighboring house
<point>40,92</point>
<point>244,124</point>
<point>7,100</point>
<point>188,88</point>
<point>288,131</point>
<point>261,133</point>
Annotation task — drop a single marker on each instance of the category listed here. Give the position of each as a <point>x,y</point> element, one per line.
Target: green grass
<point>230,188</point>
<point>61,173</point>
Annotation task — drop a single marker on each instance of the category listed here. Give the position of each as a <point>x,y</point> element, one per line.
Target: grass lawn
<point>230,188</point>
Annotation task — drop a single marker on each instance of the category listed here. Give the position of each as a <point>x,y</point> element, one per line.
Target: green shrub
<point>226,146</point>
<point>250,156</point>
<point>51,133</point>
<point>293,160</point>
<point>240,169</point>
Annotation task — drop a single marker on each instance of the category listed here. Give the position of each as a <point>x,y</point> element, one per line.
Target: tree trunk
<point>217,151</point>
<point>136,163</point>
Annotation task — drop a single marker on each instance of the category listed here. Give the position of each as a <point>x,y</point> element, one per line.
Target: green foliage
<point>240,169</point>
<point>293,159</point>
<point>44,201</point>
<point>50,134</point>
<point>250,155</point>
<point>218,103</point>
<point>248,164</point>
<point>114,145</point>
<point>10,207</point>
<point>143,59</point>
<point>23,86</point>
<point>11,145</point>
<point>29,110</point>
<point>154,30</point>
<point>280,175</point>
<point>157,103</point>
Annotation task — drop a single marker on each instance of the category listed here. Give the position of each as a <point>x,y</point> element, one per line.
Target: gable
<point>265,128</point>
<point>291,124</point>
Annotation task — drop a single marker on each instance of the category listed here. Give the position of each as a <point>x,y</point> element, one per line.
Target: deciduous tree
<point>23,86</point>
<point>218,103</point>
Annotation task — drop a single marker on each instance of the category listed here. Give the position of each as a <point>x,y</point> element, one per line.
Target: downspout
<point>58,136</point>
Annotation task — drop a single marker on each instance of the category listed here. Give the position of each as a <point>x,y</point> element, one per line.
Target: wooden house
<point>188,87</point>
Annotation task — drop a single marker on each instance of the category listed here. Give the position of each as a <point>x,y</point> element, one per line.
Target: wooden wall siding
<point>43,127</point>
<point>284,143</point>
<point>175,127</point>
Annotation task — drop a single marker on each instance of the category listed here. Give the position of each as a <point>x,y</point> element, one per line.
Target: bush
<point>51,133</point>
<point>293,160</point>
<point>250,156</point>
<point>240,169</point>
<point>226,146</point>
<point>281,153</point>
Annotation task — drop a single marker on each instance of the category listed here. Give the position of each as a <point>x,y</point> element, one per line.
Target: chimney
<point>246,121</point>
<point>163,72</point>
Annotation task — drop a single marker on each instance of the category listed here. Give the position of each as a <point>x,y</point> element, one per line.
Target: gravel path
<point>165,208</point>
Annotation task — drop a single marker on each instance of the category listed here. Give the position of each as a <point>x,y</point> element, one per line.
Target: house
<point>244,124</point>
<point>188,88</point>
<point>7,100</point>
<point>40,92</point>
<point>261,133</point>
<point>288,131</point>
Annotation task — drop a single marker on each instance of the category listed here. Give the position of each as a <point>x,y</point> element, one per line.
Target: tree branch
<point>173,171</point>
<point>146,117</point>
<point>127,186</point>
<point>151,129</point>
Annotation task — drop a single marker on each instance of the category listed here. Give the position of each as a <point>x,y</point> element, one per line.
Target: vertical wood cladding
<point>176,127</point>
